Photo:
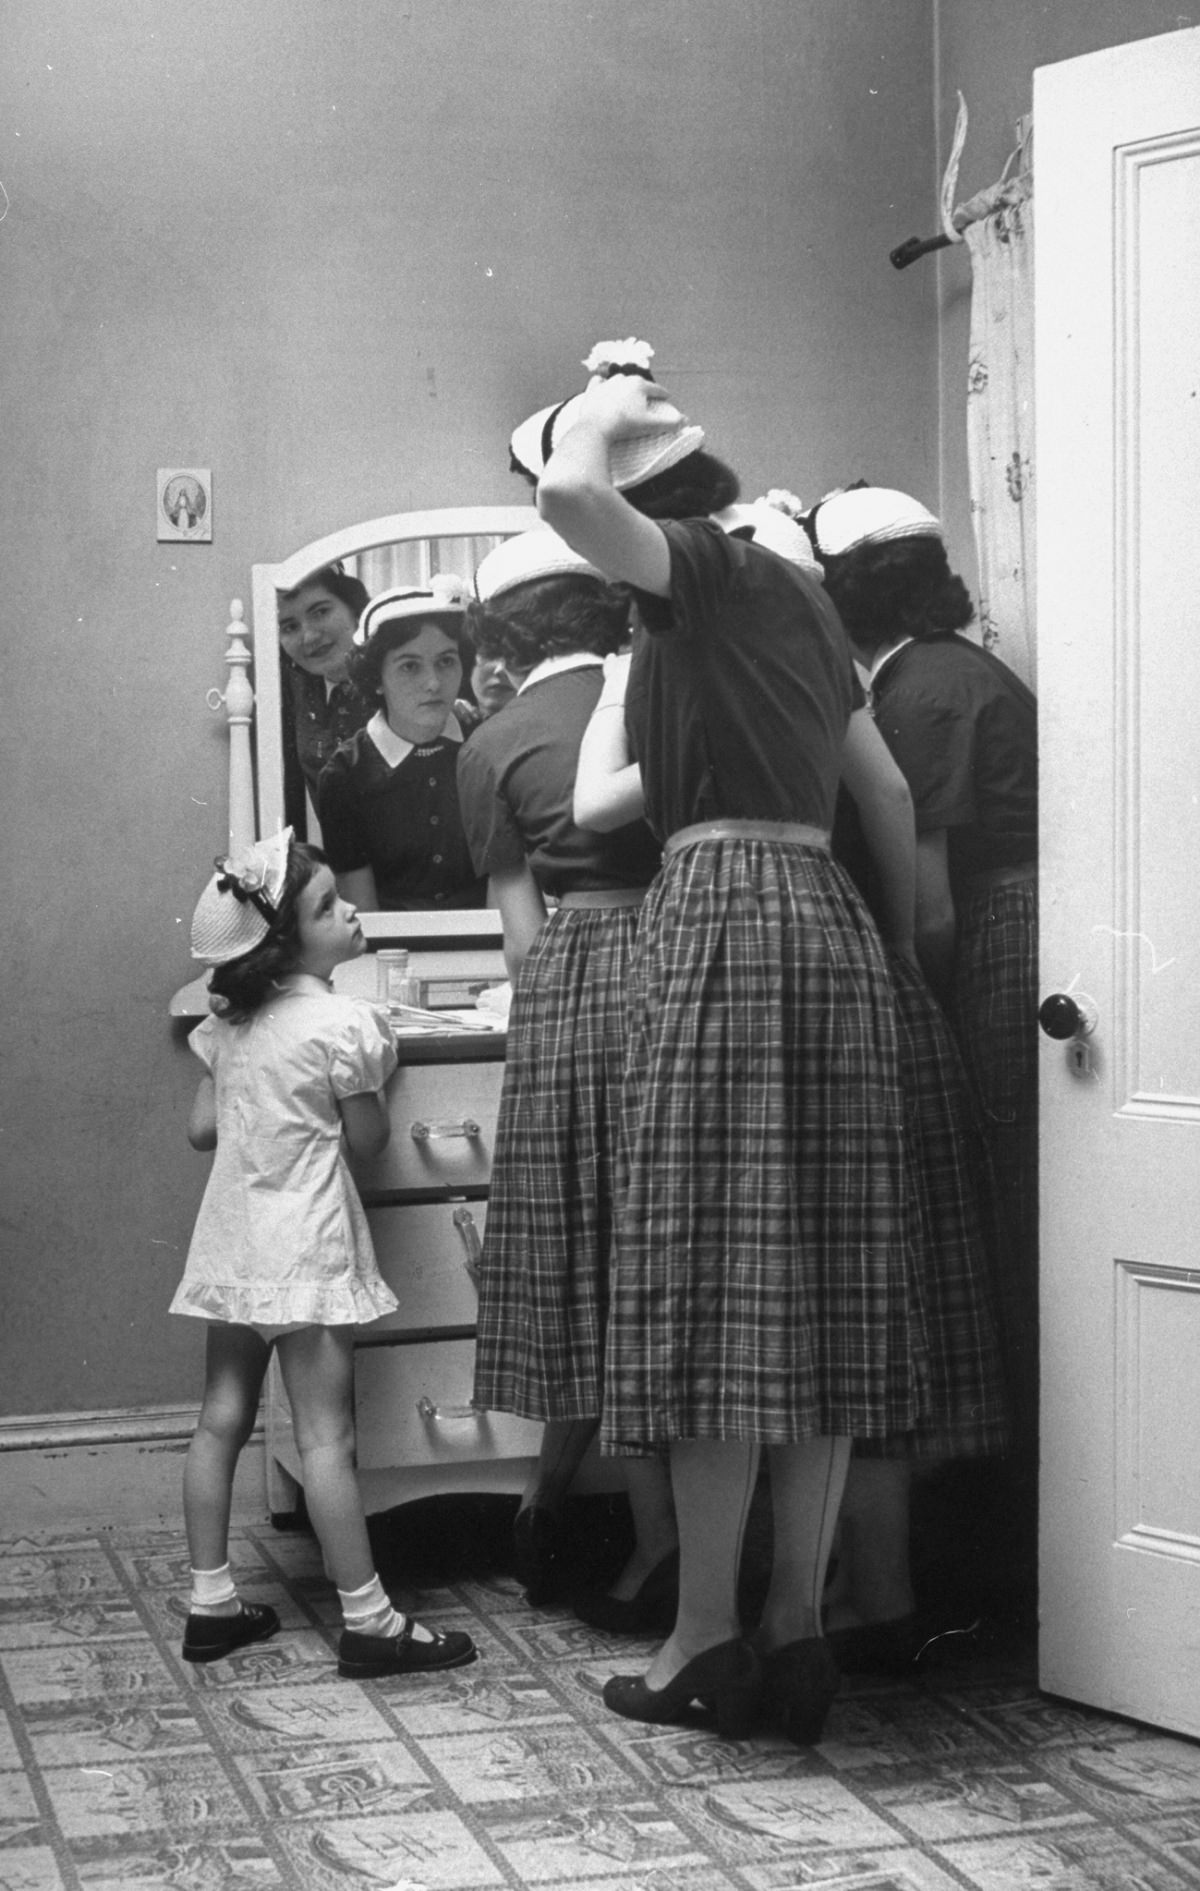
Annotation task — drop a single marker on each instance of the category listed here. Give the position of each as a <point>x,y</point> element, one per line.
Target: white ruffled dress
<point>281,1235</point>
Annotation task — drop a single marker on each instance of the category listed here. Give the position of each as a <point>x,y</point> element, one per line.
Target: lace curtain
<point>997,227</point>
<point>416,562</point>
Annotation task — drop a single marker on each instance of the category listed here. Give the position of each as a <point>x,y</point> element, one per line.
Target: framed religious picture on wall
<point>185,503</point>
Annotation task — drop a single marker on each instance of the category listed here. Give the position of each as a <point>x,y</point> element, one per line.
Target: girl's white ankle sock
<point>214,1592</point>
<point>369,1611</point>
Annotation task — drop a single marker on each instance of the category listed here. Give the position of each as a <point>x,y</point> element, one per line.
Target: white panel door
<point>1117,216</point>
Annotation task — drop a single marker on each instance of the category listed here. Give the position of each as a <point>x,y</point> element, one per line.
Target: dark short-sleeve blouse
<point>740,689</point>
<point>516,783</point>
<point>315,721</point>
<point>404,823</point>
<point>963,729</point>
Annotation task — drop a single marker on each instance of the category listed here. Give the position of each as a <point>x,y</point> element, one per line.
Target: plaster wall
<point>334,254</point>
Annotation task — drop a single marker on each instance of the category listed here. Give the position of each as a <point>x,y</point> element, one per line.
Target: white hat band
<point>445,595</point>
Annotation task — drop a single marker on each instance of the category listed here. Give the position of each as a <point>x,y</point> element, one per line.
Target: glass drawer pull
<point>464,1221</point>
<point>464,1126</point>
<point>435,1414</point>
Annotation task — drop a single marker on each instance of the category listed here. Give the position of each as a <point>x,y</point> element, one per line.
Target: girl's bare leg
<point>235,1365</point>
<point>318,1370</point>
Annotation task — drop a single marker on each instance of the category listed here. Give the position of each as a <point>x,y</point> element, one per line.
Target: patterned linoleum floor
<point>122,1768</point>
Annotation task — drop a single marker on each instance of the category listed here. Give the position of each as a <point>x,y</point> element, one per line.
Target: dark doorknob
<point>1061,1016</point>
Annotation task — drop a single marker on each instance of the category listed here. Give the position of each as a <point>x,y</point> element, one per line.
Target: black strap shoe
<point>208,1637</point>
<point>371,1657</point>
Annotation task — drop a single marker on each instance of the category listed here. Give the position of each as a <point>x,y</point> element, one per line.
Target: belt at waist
<point>1000,876</point>
<point>606,896</point>
<point>791,833</point>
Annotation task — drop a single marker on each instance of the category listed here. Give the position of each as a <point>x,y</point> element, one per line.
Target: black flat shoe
<point>538,1551</point>
<point>208,1637</point>
<point>725,1678</point>
<point>800,1681</point>
<point>652,1608</point>
<point>368,1657</point>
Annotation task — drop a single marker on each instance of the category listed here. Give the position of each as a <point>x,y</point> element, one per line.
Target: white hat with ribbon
<point>633,459</point>
<point>239,906</point>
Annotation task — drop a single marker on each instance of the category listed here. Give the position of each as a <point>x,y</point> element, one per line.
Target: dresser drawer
<point>412,1408</point>
<point>423,1251</point>
<point>443,1120</point>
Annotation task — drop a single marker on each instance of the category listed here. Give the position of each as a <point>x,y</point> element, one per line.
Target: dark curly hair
<point>239,988</point>
<point>904,588</point>
<point>366,664</point>
<point>700,484</point>
<point>551,617</point>
<point>339,583</point>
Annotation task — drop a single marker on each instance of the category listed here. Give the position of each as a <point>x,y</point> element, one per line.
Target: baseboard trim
<point>60,1431</point>
<point>109,1469</point>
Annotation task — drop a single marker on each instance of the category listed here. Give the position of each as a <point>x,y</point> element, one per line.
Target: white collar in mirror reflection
<point>394,748</point>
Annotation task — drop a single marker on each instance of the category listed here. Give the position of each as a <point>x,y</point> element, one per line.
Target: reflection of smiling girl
<point>387,800</point>
<point>321,708</point>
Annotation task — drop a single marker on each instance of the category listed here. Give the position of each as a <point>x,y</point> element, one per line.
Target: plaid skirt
<point>762,1283</point>
<point>543,1295</point>
<point>967,1411</point>
<point>995,1016</point>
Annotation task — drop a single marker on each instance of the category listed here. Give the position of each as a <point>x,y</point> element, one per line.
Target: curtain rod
<point>1008,189</point>
<point>916,246</point>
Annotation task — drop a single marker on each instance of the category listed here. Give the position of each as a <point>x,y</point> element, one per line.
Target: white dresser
<point>426,1200</point>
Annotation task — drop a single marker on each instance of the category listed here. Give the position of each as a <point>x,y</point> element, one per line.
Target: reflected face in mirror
<point>491,684</point>
<point>316,630</point>
<point>419,681</point>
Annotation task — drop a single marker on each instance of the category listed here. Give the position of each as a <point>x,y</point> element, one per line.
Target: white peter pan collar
<point>394,749</point>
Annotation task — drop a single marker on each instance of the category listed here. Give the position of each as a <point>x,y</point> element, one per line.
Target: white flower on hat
<point>630,353</point>
<point>448,589</point>
<point>769,525</point>
<point>784,501</point>
<point>262,866</point>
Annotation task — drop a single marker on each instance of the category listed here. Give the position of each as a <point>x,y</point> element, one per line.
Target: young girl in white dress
<point>281,1254</point>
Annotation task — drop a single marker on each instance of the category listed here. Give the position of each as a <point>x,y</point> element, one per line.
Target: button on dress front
<point>281,1235</point>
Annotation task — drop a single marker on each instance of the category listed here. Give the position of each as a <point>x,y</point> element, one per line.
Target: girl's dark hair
<point>700,484</point>
<point>904,588</point>
<point>551,617</point>
<point>366,664</point>
<point>340,584</point>
<point>242,985</point>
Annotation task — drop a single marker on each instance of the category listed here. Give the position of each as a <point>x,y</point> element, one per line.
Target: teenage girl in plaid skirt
<point>963,729</point>
<point>550,617</point>
<point>761,1291</point>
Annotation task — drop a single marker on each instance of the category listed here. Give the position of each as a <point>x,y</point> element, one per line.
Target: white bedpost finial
<point>238,703</point>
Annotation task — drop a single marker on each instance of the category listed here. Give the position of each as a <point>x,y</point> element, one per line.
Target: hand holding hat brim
<point>625,406</point>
